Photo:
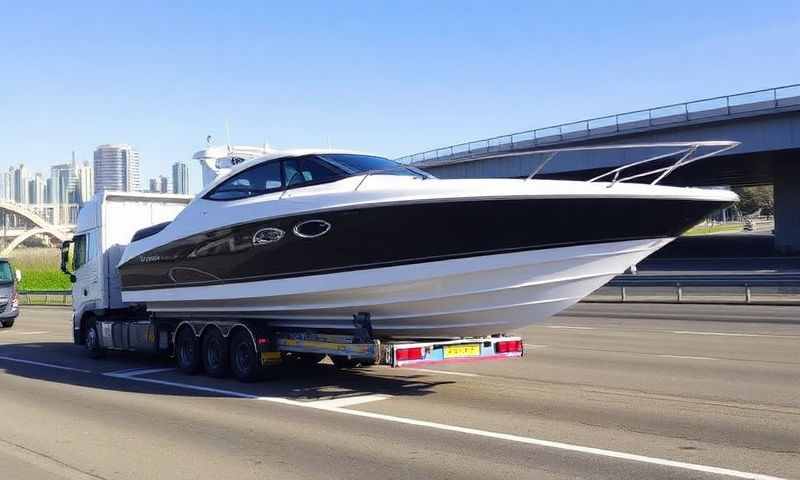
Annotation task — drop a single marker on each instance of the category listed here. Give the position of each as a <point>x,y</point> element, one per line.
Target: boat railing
<point>684,154</point>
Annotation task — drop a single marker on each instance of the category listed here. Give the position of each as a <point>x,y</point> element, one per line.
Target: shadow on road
<point>316,382</point>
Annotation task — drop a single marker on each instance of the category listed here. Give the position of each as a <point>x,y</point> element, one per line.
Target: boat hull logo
<point>268,235</point>
<point>311,228</point>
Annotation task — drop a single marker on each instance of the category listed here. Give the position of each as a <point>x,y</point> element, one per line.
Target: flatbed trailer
<point>251,350</point>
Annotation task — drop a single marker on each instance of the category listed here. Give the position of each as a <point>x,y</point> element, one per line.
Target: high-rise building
<point>163,184</point>
<point>180,178</point>
<point>7,186</point>
<point>85,174</point>
<point>116,167</point>
<point>36,190</point>
<point>153,185</point>
<point>48,191</point>
<point>21,184</point>
<point>65,183</point>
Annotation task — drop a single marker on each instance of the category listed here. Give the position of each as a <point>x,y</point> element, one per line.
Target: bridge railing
<point>757,100</point>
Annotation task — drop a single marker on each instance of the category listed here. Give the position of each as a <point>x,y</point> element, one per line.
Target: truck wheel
<point>215,353</point>
<point>187,351</point>
<point>92,341</point>
<point>245,364</point>
<point>8,323</point>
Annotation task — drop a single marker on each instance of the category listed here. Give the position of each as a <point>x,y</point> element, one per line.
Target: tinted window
<point>300,170</point>
<point>366,163</point>
<point>6,275</point>
<point>254,181</point>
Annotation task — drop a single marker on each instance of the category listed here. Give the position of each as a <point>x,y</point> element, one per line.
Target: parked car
<point>9,298</point>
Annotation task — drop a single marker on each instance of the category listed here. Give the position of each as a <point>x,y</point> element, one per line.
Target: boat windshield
<point>354,164</point>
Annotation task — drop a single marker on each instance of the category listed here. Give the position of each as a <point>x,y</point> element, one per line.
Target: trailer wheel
<point>215,353</point>
<point>92,341</point>
<point>245,364</point>
<point>187,351</point>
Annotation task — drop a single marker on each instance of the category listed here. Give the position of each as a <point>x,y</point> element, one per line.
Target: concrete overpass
<point>766,122</point>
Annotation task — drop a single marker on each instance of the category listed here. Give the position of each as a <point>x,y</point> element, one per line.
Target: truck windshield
<point>367,163</point>
<point>5,272</point>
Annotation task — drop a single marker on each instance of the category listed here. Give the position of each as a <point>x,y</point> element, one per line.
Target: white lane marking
<point>42,364</point>
<point>569,327</point>
<point>443,372</point>
<point>476,432</point>
<point>30,333</point>
<point>452,428</point>
<point>557,445</point>
<point>137,371</point>
<point>349,401</point>
<point>726,334</point>
<point>532,345</point>
<point>688,357</point>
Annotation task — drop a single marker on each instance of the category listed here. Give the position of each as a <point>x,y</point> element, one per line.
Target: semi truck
<point>248,349</point>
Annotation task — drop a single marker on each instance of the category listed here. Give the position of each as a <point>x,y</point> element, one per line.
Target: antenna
<point>228,135</point>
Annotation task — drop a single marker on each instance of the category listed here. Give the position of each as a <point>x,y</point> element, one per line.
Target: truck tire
<point>8,323</point>
<point>187,351</point>
<point>244,361</point>
<point>215,353</point>
<point>91,340</point>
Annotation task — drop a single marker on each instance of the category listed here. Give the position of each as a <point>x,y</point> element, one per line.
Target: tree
<point>753,199</point>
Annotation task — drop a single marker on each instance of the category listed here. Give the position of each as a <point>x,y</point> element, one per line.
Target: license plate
<point>469,350</point>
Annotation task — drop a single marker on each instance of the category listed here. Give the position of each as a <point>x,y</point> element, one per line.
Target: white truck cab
<point>105,226</point>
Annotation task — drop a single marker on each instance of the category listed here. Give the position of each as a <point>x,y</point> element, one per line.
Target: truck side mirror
<point>65,259</point>
<point>18,275</point>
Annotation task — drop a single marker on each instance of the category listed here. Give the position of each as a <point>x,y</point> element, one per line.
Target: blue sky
<point>388,78</point>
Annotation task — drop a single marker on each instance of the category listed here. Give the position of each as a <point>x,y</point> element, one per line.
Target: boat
<point>310,238</point>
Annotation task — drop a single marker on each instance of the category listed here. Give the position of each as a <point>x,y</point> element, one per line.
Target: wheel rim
<point>187,350</point>
<point>213,356</point>
<point>91,339</point>
<point>242,357</point>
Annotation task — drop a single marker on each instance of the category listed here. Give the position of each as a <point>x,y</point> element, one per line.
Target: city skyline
<point>57,192</point>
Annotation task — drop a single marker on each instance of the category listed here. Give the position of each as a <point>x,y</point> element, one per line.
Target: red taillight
<point>508,346</point>
<point>262,341</point>
<point>408,354</point>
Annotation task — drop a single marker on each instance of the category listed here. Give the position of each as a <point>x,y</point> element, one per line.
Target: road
<point>604,391</point>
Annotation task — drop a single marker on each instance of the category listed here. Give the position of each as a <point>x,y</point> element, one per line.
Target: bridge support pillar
<point>787,207</point>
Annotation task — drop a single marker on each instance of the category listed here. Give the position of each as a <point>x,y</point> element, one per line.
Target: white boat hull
<point>451,298</point>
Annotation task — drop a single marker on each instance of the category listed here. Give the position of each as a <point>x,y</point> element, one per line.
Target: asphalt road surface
<point>605,391</point>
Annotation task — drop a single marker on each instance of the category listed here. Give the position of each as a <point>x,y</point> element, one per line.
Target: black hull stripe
<point>372,266</point>
<point>384,236</point>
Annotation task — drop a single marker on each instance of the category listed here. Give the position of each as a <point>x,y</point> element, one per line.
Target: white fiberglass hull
<point>450,298</point>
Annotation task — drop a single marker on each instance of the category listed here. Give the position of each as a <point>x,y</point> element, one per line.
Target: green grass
<point>40,269</point>
<point>704,229</point>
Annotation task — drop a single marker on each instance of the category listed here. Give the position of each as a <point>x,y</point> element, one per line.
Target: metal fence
<point>767,99</point>
<point>45,297</point>
<point>676,291</point>
<point>617,291</point>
